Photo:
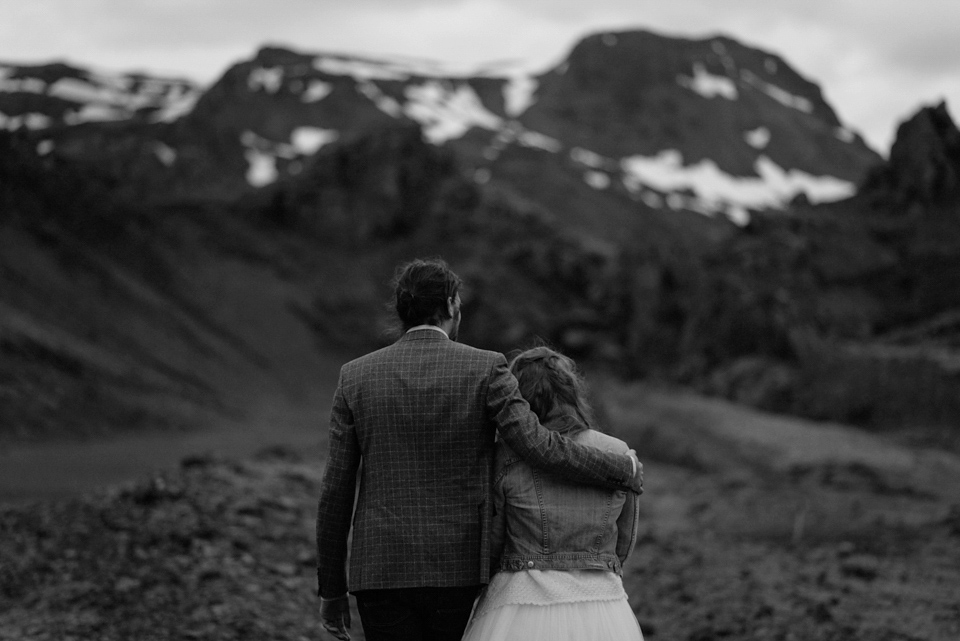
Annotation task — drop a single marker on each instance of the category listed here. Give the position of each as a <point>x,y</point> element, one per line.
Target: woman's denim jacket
<point>542,522</point>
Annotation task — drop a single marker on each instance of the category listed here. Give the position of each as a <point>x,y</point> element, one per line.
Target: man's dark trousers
<point>415,614</point>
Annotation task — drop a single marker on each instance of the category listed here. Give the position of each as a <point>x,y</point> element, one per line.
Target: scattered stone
<point>861,567</point>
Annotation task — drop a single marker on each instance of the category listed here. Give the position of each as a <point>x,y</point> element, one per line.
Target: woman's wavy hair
<point>552,385</point>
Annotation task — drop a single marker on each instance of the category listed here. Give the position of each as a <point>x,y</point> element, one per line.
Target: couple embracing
<point>477,477</point>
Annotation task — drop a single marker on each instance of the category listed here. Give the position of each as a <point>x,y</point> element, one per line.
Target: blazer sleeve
<point>546,449</point>
<point>337,493</point>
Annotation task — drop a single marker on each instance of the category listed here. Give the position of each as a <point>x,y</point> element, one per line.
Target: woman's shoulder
<point>602,441</point>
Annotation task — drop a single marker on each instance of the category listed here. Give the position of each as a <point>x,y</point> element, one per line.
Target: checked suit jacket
<point>414,424</point>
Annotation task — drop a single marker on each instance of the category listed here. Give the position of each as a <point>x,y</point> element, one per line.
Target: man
<point>421,415</point>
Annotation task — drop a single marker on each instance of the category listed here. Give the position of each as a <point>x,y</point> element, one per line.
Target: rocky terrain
<point>754,527</point>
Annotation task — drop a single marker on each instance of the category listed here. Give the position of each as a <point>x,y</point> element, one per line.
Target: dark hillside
<point>861,297</point>
<point>751,314</point>
<point>97,331</point>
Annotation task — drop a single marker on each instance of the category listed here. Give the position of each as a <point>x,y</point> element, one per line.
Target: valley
<point>766,308</point>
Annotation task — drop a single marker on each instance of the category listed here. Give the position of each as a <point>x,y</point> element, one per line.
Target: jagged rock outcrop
<point>924,165</point>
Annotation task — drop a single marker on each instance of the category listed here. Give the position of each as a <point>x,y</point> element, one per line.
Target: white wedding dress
<point>553,605</point>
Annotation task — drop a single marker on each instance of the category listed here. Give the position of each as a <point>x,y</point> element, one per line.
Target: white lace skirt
<point>554,606</point>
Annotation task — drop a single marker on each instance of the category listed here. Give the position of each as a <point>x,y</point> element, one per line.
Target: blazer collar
<point>425,333</point>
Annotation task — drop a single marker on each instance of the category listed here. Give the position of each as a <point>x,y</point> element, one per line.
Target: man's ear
<point>451,307</point>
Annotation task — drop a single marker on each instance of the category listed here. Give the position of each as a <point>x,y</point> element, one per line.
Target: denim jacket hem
<point>570,561</point>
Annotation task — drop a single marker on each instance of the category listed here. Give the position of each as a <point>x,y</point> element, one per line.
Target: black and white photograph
<point>479,320</point>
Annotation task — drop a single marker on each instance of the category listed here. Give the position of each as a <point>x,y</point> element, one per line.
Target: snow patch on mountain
<point>593,160</point>
<point>447,112</point>
<point>512,132</point>
<point>268,79</point>
<point>708,85</point>
<point>316,91</point>
<point>518,94</point>
<point>844,134</point>
<point>383,102</point>
<point>95,112</point>
<point>308,140</point>
<point>262,169</point>
<point>403,69</point>
<point>262,154</point>
<point>103,97</point>
<point>28,120</point>
<point>757,138</point>
<point>725,58</point>
<point>361,69</point>
<point>165,153</point>
<point>597,179</point>
<point>77,90</point>
<point>9,84</point>
<point>780,95</point>
<point>717,191</point>
<point>180,102</point>
<point>651,199</point>
<point>537,140</point>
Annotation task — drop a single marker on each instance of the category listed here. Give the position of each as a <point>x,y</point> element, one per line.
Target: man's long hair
<point>552,385</point>
<point>421,290</point>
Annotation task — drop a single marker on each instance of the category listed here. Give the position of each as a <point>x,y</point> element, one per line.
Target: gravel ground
<point>222,549</point>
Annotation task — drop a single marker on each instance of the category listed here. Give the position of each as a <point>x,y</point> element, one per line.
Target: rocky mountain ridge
<point>42,96</point>
<point>709,125</point>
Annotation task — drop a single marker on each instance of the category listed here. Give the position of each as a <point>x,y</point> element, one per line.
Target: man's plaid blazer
<point>417,419</point>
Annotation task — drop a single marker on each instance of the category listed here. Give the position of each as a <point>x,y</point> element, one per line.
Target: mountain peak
<point>924,165</point>
<point>717,65</point>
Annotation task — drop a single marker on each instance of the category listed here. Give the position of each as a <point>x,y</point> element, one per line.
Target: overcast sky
<point>878,61</point>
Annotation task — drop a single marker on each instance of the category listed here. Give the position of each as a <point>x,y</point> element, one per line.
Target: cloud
<point>873,58</point>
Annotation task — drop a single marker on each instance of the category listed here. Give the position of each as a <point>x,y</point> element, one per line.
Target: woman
<point>558,548</point>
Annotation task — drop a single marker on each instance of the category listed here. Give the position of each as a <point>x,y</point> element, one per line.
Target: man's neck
<point>435,328</point>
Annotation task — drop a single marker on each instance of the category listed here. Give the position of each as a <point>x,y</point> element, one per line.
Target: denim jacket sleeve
<point>627,525</point>
<point>543,448</point>
<point>498,526</point>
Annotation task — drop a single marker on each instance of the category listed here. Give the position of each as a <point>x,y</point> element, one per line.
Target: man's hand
<point>636,483</point>
<point>335,616</point>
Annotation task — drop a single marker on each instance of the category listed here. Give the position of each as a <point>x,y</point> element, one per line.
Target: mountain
<point>686,210</point>
<point>57,94</point>
<point>711,126</point>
